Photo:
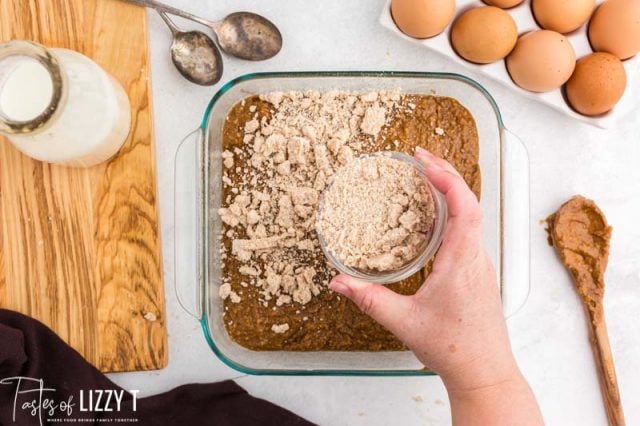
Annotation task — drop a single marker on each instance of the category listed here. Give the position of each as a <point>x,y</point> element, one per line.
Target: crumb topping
<point>280,328</point>
<point>288,160</point>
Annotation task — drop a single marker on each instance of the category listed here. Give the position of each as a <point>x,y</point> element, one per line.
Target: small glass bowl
<point>427,252</point>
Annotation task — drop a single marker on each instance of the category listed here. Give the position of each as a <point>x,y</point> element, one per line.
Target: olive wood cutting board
<point>80,248</point>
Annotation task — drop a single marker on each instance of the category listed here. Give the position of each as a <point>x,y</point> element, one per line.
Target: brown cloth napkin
<point>30,352</point>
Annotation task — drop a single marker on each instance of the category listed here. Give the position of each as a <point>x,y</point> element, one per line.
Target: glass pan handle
<point>187,265</point>
<point>516,217</point>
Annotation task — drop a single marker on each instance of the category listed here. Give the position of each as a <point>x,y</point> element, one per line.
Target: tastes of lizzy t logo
<point>33,398</point>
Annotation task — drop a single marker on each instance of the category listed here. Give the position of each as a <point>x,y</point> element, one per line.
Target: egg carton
<point>498,71</point>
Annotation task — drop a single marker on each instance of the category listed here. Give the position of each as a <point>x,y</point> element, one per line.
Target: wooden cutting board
<point>80,248</point>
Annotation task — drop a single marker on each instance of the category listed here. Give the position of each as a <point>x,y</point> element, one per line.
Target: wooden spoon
<point>581,235</point>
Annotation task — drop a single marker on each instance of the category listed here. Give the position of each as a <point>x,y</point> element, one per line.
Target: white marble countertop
<point>549,334</point>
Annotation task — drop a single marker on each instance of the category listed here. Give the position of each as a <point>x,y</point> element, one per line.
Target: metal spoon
<point>194,54</point>
<point>241,34</point>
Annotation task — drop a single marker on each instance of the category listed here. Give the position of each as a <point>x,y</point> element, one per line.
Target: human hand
<point>454,323</point>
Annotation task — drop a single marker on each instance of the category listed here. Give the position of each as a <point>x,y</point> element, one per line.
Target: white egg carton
<point>524,19</point>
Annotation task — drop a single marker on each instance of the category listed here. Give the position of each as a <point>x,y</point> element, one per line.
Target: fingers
<point>390,309</point>
<point>464,227</point>
<point>461,201</point>
<point>434,160</point>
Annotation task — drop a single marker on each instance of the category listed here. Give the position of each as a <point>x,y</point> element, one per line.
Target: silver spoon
<point>241,34</point>
<point>194,54</point>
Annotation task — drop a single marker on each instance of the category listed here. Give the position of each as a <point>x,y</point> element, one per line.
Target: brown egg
<point>422,18</point>
<point>597,83</point>
<point>541,61</point>
<point>615,28</point>
<point>562,16</point>
<point>505,4</point>
<point>484,34</point>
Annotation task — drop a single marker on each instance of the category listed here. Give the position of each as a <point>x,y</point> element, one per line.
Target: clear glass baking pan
<point>505,203</point>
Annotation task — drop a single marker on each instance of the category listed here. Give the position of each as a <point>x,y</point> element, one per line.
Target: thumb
<point>385,306</point>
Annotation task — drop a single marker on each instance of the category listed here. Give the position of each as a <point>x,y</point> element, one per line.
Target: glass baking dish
<point>505,203</point>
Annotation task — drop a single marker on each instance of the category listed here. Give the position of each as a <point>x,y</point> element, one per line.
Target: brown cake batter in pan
<point>260,320</point>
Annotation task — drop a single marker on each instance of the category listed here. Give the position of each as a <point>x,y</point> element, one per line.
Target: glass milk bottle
<point>58,106</point>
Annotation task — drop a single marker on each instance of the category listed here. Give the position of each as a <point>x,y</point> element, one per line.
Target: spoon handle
<point>169,22</point>
<point>604,359</point>
<point>172,10</point>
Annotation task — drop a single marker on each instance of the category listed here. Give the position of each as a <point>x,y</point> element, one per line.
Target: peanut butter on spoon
<point>580,233</point>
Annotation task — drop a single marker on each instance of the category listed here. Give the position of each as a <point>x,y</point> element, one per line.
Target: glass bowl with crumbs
<point>380,219</point>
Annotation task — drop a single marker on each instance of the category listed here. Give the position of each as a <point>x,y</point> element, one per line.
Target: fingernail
<point>428,159</point>
<point>340,287</point>
<point>422,151</point>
